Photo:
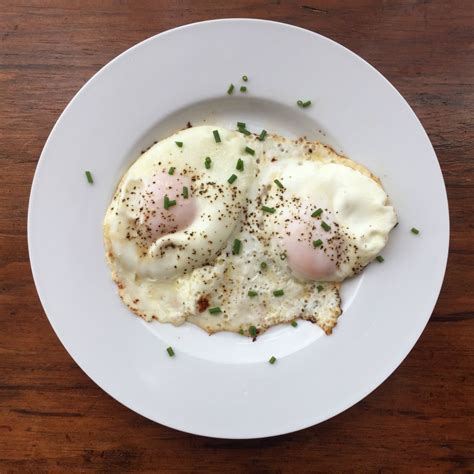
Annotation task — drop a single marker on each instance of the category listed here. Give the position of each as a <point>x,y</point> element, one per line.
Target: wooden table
<point>52,417</point>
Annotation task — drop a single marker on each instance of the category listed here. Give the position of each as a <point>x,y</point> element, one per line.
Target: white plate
<point>222,385</point>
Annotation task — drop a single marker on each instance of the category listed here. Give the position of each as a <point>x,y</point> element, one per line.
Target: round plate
<point>223,385</point>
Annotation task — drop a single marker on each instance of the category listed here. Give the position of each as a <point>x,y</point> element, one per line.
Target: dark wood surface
<point>52,417</point>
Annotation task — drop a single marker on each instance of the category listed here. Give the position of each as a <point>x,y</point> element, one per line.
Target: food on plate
<point>235,231</point>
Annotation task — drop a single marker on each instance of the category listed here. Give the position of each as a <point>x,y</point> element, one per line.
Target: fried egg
<point>234,233</point>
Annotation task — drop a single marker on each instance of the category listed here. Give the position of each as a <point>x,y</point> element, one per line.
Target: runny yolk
<point>161,221</point>
<point>304,259</point>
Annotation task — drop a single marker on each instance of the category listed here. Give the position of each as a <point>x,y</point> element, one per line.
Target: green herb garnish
<point>317,212</point>
<point>325,226</point>
<point>241,126</point>
<point>207,163</point>
<point>236,247</point>
<point>243,89</point>
<point>415,231</point>
<point>249,150</point>
<point>217,137</point>
<point>185,192</point>
<point>230,89</point>
<point>170,351</point>
<point>253,331</point>
<point>303,104</point>
<point>379,258</point>
<point>262,135</point>
<point>171,170</point>
<point>278,293</point>
<point>232,179</point>
<point>179,144</point>
<point>317,243</point>
<point>270,210</point>
<point>90,180</point>
<point>240,165</point>
<point>279,184</point>
<point>168,203</point>
<point>252,293</point>
<point>272,360</point>
<point>215,310</point>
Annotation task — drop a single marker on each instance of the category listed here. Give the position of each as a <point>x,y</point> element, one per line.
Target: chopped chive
<point>245,78</point>
<point>207,163</point>
<point>320,288</point>
<point>263,265</point>
<point>415,231</point>
<point>270,210</point>
<point>170,351</point>
<point>236,247</point>
<point>379,258</point>
<point>262,135</point>
<point>171,170</point>
<point>230,89</point>
<point>241,331</point>
<point>325,226</point>
<point>317,212</point>
<point>168,203</point>
<point>252,293</point>
<point>303,104</point>
<point>294,324</point>
<point>317,243</point>
<point>240,165</point>
<point>232,179</point>
<point>279,184</point>
<point>241,127</point>
<point>244,131</point>
<point>278,293</point>
<point>272,360</point>
<point>90,180</point>
<point>217,137</point>
<point>249,150</point>
<point>179,144</point>
<point>215,310</point>
<point>253,331</point>
<point>185,192</point>
<point>243,89</point>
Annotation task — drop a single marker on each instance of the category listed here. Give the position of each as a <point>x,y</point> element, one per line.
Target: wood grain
<point>53,418</point>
